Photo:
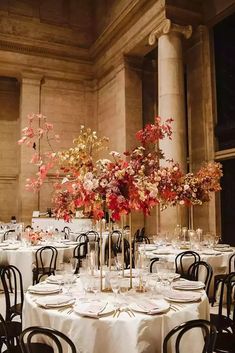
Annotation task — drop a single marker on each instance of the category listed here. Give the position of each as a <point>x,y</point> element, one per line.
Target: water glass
<point>115,283</point>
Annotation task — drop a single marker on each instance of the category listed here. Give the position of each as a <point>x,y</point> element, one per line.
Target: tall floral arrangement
<point>132,181</point>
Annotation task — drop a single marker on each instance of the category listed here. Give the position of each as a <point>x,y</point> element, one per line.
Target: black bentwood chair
<point>208,331</point>
<point>226,301</point>
<point>9,335</point>
<point>152,266</point>
<point>184,260</point>
<point>13,290</point>
<point>194,273</point>
<point>218,279</point>
<point>45,255</point>
<point>79,253</point>
<point>56,338</point>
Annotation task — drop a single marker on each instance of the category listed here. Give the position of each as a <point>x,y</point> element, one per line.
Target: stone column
<point>29,103</point>
<point>171,100</point>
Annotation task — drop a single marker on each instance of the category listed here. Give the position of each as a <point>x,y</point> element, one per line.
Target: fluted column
<point>171,100</point>
<point>29,103</point>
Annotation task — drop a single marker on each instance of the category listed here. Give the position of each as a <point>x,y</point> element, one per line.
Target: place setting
<point>182,296</point>
<point>188,285</point>
<point>95,309</point>
<point>55,302</point>
<point>44,288</point>
<point>150,307</point>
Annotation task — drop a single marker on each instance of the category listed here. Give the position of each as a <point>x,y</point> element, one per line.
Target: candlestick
<point>122,231</point>
<point>110,231</point>
<point>130,241</point>
<point>101,257</point>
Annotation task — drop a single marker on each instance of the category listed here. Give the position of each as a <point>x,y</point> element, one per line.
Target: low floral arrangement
<point>33,237</point>
<point>132,181</point>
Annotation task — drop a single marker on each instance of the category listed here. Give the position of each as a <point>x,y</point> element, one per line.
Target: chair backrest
<point>115,239</point>
<point>13,289</point>
<point>57,338</point>
<point>92,235</point>
<point>46,258</point>
<point>201,270</point>
<point>66,230</point>
<point>126,251</point>
<point>82,237</point>
<point>231,265</point>
<point>7,233</point>
<point>153,262</point>
<point>184,260</point>
<point>79,253</point>
<point>208,331</point>
<point>227,290</point>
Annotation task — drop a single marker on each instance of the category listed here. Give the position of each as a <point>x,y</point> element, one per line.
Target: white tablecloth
<point>24,259</point>
<point>139,334</point>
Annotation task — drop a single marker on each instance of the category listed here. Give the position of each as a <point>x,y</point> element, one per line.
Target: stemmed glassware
<point>115,284</point>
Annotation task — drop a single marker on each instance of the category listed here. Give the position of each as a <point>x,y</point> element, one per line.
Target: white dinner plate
<point>44,289</point>
<point>61,246</point>
<point>11,247</point>
<point>188,285</point>
<point>94,309</point>
<point>150,307</point>
<point>220,250</point>
<point>148,247</point>
<point>220,246</point>
<point>55,301</point>
<point>182,297</point>
<point>58,279</point>
<point>3,245</point>
<point>162,252</point>
<point>209,252</point>
<point>72,243</point>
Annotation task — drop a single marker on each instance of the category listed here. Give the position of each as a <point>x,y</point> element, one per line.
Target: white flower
<point>186,187</point>
<point>115,154</point>
<point>181,202</point>
<point>89,176</point>
<point>65,180</point>
<point>88,185</point>
<point>154,193</point>
<point>103,161</point>
<point>103,183</point>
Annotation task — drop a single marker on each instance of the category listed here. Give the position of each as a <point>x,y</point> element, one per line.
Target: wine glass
<point>95,285</point>
<point>115,284</point>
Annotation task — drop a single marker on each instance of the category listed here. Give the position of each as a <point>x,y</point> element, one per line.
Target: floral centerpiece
<point>132,181</point>
<point>33,237</point>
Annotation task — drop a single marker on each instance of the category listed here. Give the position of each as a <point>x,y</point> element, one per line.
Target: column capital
<point>30,77</point>
<point>165,27</point>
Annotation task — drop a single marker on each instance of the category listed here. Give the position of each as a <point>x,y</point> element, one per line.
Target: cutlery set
<point>127,310</point>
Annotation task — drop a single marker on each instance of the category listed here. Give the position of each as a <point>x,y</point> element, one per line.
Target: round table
<point>219,260</point>
<point>140,334</point>
<point>24,258</point>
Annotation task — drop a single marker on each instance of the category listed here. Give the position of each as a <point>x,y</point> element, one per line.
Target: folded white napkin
<point>149,307</point>
<point>183,296</point>
<point>43,288</point>
<point>189,284</point>
<point>93,310</point>
<point>54,301</point>
<point>57,279</point>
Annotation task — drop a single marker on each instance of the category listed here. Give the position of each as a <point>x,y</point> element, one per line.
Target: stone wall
<point>9,130</point>
<point>45,46</point>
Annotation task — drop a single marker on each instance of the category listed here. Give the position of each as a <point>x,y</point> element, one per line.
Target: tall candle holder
<point>130,242</point>
<point>110,250</point>
<point>122,231</point>
<point>101,255</point>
